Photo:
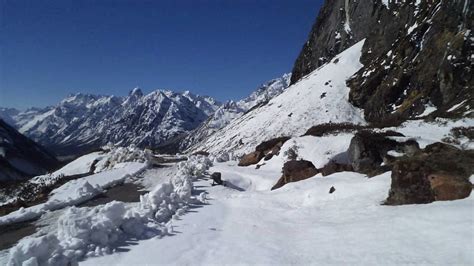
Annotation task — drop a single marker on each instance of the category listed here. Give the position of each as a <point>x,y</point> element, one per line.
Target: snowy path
<point>303,224</point>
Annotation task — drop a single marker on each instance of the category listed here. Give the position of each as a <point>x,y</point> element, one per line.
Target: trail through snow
<point>302,224</point>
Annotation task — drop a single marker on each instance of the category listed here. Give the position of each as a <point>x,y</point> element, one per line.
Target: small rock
<point>331,190</point>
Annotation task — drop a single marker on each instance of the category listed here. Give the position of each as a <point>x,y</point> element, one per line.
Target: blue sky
<point>220,48</point>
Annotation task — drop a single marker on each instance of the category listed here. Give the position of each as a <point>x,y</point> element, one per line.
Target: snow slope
<point>320,97</point>
<point>232,110</point>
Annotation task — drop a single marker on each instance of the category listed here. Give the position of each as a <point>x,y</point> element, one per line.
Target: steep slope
<point>232,110</point>
<point>424,69</point>
<point>320,97</point>
<point>84,122</point>
<point>339,25</point>
<point>417,57</point>
<point>20,157</point>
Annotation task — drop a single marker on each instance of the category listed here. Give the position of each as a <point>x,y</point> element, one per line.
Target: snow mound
<point>88,232</point>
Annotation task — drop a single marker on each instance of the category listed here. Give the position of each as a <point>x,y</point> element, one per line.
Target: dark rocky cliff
<point>339,25</point>
<point>417,54</point>
<point>427,64</point>
<point>20,157</point>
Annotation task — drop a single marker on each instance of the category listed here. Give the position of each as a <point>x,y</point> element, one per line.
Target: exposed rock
<point>339,25</point>
<point>426,62</point>
<point>251,158</point>
<point>294,171</point>
<point>416,55</point>
<point>368,149</point>
<point>266,149</point>
<point>205,153</point>
<point>446,187</point>
<point>217,178</point>
<point>410,184</point>
<point>270,145</point>
<point>334,167</point>
<point>332,190</point>
<point>439,172</point>
<point>332,128</point>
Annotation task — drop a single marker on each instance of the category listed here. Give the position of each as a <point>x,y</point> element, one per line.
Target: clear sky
<point>221,48</point>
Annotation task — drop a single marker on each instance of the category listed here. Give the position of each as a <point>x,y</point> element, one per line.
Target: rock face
<point>20,157</point>
<point>339,25</point>
<point>294,171</point>
<point>439,172</point>
<point>417,56</point>
<point>423,67</point>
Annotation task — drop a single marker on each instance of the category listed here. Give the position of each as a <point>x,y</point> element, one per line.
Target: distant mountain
<point>20,157</point>
<point>7,115</point>
<point>232,110</point>
<point>83,122</point>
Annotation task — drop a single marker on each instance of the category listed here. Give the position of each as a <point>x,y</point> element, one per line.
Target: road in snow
<point>302,223</point>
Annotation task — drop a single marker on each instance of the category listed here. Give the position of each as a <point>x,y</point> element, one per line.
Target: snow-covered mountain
<point>84,122</point>
<point>320,97</point>
<point>20,157</point>
<point>232,110</point>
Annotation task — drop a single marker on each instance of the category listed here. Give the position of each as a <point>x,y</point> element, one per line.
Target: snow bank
<point>86,232</point>
<point>76,191</point>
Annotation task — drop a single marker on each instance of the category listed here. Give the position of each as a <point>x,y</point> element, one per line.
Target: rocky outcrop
<point>439,172</point>
<point>266,149</point>
<point>339,25</point>
<point>296,170</point>
<point>417,56</point>
<point>422,68</point>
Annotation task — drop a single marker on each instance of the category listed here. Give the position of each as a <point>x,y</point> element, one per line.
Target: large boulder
<point>439,172</point>
<point>368,149</point>
<point>294,171</point>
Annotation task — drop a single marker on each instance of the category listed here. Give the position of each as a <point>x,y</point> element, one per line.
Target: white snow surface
<point>79,166</point>
<point>302,224</point>
<point>426,133</point>
<point>320,97</point>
